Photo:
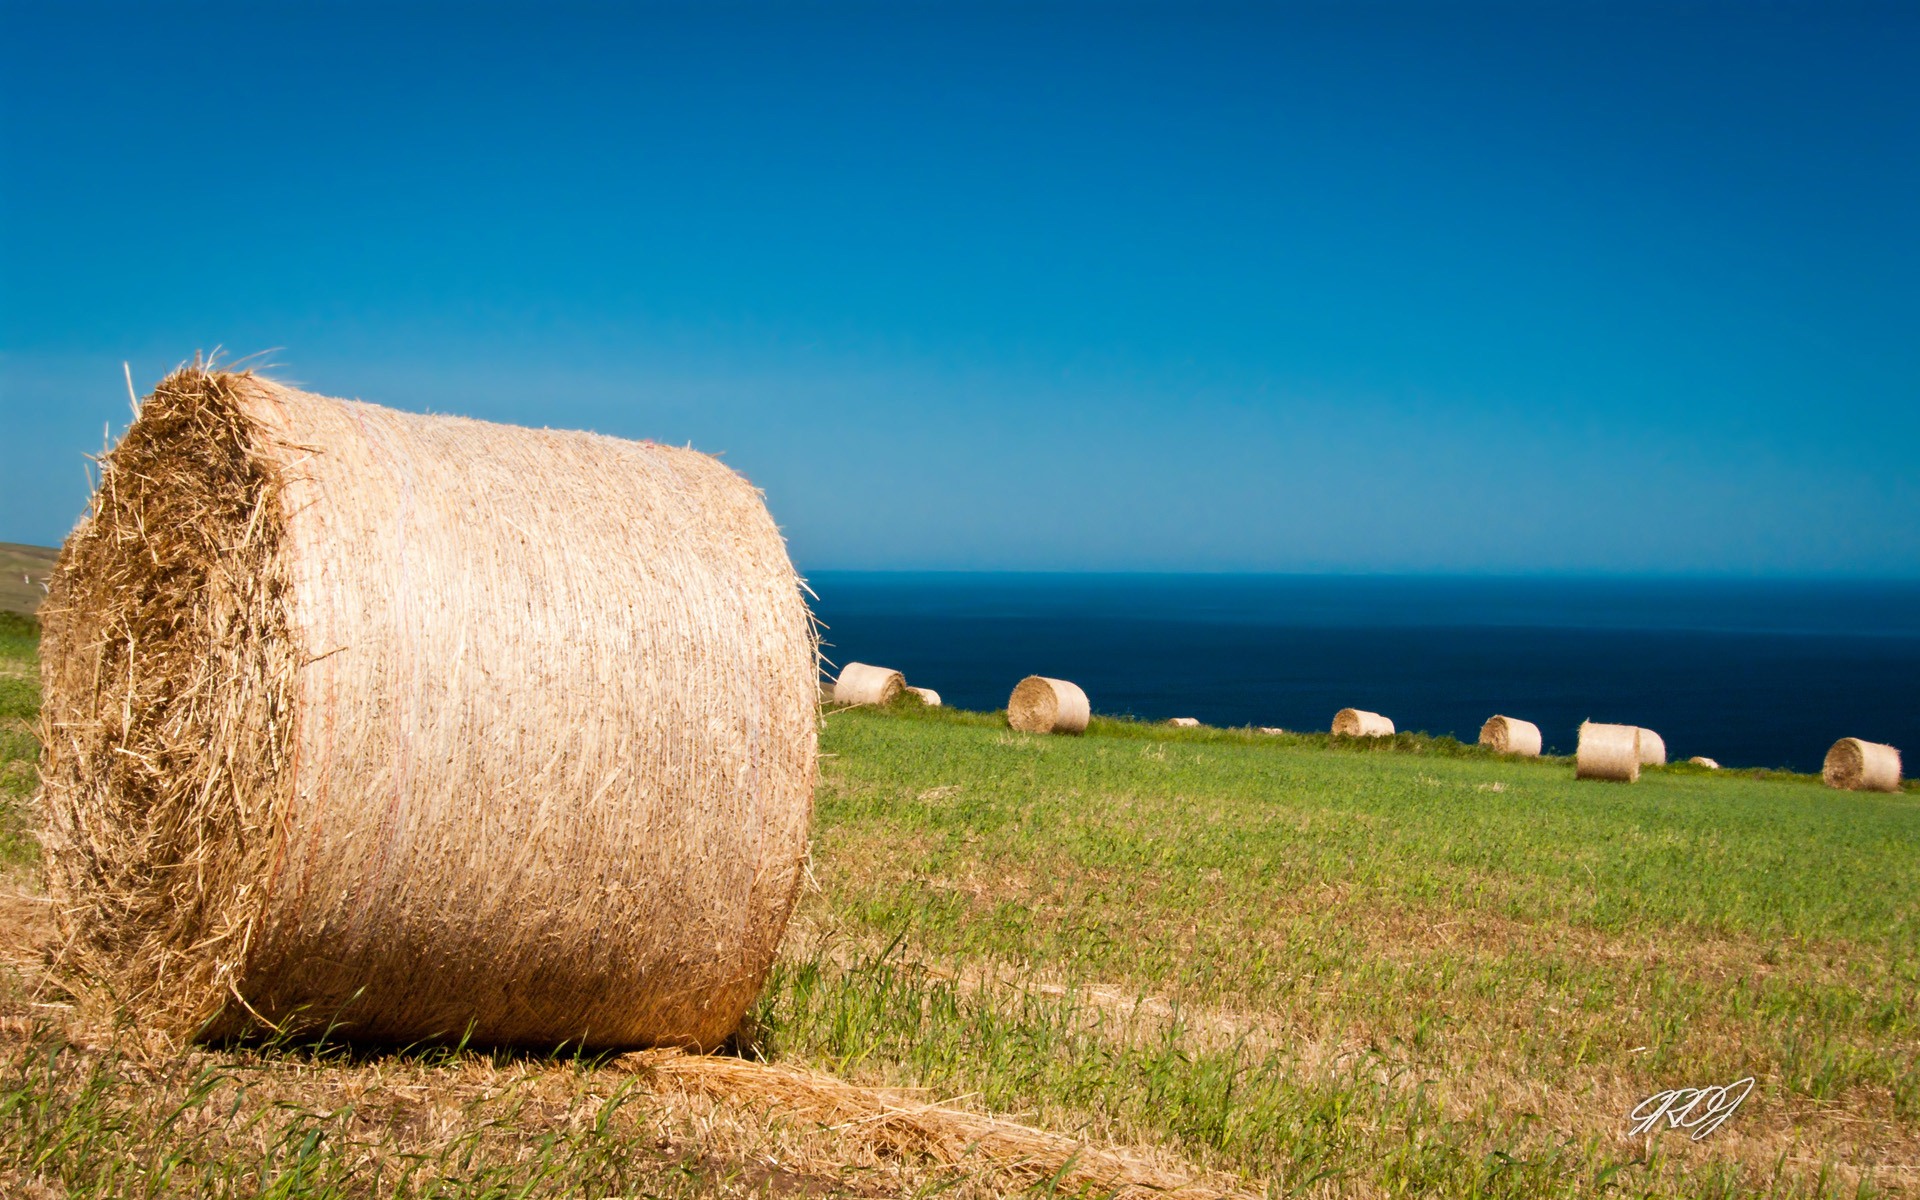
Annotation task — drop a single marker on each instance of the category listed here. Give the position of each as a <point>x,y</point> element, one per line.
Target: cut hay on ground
<point>1859,766</point>
<point>1358,722</point>
<point>928,696</point>
<point>896,1122</point>
<point>863,684</point>
<point>1511,735</point>
<point>1653,749</point>
<point>422,727</point>
<point>1701,760</point>
<point>1610,752</point>
<point>1043,705</point>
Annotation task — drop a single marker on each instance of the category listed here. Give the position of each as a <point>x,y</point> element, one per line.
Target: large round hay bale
<point>1861,766</point>
<point>1511,735</point>
<point>1653,748</point>
<point>1358,722</point>
<point>862,684</point>
<point>417,726</point>
<point>1609,752</point>
<point>1043,705</point>
<point>928,696</point>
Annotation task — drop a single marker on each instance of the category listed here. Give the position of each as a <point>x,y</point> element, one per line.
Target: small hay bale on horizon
<point>415,727</point>
<point>860,683</point>
<point>1184,722</point>
<point>1040,704</point>
<point>928,696</point>
<point>1701,760</point>
<point>1653,748</point>
<point>1856,765</point>
<point>1358,722</point>
<point>1608,752</point>
<point>1511,735</point>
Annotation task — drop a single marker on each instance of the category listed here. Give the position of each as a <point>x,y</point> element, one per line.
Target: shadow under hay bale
<point>422,727</point>
<point>1043,705</point>
<point>1609,752</point>
<point>863,684</point>
<point>1859,766</point>
<point>1358,722</point>
<point>1510,735</point>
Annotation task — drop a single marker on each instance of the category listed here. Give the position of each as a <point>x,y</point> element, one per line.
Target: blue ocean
<point>1751,673</point>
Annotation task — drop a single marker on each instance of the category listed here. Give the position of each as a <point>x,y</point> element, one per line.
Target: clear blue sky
<point>1423,287</point>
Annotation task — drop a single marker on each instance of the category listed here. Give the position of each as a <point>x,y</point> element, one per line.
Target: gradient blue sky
<point>1421,287</point>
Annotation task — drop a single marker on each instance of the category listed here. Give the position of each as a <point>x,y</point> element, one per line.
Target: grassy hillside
<point>23,569</point>
<point>1270,964</point>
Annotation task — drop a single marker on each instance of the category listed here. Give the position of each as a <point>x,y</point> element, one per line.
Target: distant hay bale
<point>1184,722</point>
<point>928,696</point>
<point>1653,749</point>
<point>862,684</point>
<point>1043,705</point>
<point>422,727</point>
<point>1358,722</point>
<point>1511,735</point>
<point>1609,752</point>
<point>1269,730</point>
<point>1701,760</point>
<point>1859,766</point>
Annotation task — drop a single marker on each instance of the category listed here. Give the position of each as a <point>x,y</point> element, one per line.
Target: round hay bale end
<point>1858,766</point>
<point>1653,749</point>
<point>1043,705</point>
<point>1701,760</point>
<point>1511,735</point>
<point>1358,722</point>
<point>928,696</point>
<point>1610,752</point>
<point>1184,722</point>
<point>421,727</point>
<point>862,684</point>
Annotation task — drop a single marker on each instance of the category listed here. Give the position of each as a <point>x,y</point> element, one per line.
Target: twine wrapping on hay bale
<point>1859,766</point>
<point>928,696</point>
<point>1043,705</point>
<point>1358,722</point>
<point>1701,760</point>
<point>422,727</point>
<point>1653,749</point>
<point>1609,752</point>
<point>862,684</point>
<point>1184,722</point>
<point>1511,735</point>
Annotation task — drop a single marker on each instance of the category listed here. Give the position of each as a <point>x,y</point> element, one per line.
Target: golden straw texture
<point>1653,749</point>
<point>422,727</point>
<point>1610,752</point>
<point>1511,735</point>
<point>1043,705</point>
<point>862,684</point>
<point>1358,722</point>
<point>928,696</point>
<point>1861,766</point>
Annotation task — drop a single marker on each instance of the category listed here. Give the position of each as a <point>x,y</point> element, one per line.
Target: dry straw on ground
<point>1862,766</point>
<point>897,1122</point>
<point>1043,705</point>
<point>1511,735</point>
<point>863,684</point>
<point>1358,722</point>
<point>928,696</point>
<point>1653,748</point>
<point>422,726</point>
<point>1609,752</point>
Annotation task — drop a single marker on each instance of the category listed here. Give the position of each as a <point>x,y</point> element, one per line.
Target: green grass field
<point>1404,969</point>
